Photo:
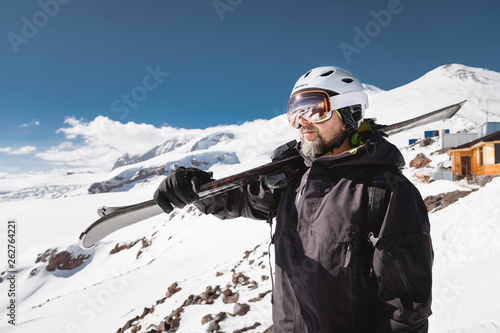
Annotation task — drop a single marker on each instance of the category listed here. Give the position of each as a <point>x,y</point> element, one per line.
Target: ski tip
<point>458,107</point>
<point>83,243</point>
<point>101,211</point>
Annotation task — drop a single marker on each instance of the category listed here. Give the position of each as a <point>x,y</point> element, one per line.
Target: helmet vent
<point>327,73</point>
<point>307,74</point>
<point>347,80</point>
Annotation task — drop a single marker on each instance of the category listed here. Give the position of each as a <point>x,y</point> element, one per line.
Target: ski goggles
<point>317,106</point>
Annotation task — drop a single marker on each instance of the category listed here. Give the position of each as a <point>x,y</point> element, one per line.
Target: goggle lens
<point>314,106</point>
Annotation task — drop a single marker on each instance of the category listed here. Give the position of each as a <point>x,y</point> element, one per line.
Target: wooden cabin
<point>478,158</point>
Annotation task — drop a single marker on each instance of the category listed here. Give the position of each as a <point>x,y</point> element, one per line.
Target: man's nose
<point>303,121</point>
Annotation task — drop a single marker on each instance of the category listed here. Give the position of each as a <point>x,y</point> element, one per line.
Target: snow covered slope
<point>442,86</point>
<point>194,271</point>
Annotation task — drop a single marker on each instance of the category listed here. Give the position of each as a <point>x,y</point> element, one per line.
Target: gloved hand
<point>181,188</point>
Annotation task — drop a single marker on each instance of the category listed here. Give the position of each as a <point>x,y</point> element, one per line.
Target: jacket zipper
<point>402,275</point>
<point>271,243</point>
<point>350,285</point>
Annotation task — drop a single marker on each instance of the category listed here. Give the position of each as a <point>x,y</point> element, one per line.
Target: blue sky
<point>195,64</point>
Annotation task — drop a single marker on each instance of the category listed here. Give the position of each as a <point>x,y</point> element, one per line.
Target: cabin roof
<point>492,137</point>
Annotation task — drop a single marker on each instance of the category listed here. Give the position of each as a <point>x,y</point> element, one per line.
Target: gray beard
<point>313,149</point>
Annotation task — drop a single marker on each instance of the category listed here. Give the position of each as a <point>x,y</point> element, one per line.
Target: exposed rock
<point>265,253</point>
<point>172,322</point>
<point>440,201</point>
<point>145,243</point>
<point>483,180</point>
<point>240,278</point>
<point>462,73</point>
<point>196,163</point>
<point>33,272</point>
<point>120,181</point>
<point>241,309</point>
<point>128,177</point>
<point>206,319</point>
<point>426,142</point>
<point>227,292</point>
<point>122,247</point>
<point>65,261</point>
<point>420,161</point>
<point>441,151</point>
<point>165,147</point>
<point>172,215</point>
<point>192,299</point>
<point>261,296</point>
<point>253,285</point>
<point>43,257</point>
<point>214,324</point>
<point>233,298</point>
<point>125,159</point>
<point>173,289</point>
<point>254,326</point>
<point>161,327</point>
<point>210,295</point>
<point>128,324</point>
<point>211,140</point>
<point>248,253</point>
<point>423,177</point>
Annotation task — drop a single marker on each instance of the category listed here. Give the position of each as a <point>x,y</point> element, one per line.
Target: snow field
<point>51,210</point>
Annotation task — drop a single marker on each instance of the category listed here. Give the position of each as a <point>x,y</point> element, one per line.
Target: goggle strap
<point>348,99</point>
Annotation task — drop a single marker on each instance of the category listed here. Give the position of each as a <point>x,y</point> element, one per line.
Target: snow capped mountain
<point>442,86</point>
<point>166,147</point>
<point>371,88</point>
<point>464,73</point>
<point>196,273</point>
<point>196,143</point>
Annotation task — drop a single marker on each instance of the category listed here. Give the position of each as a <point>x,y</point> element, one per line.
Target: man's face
<point>316,137</point>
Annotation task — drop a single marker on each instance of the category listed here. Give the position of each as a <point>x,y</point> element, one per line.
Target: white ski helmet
<point>345,90</point>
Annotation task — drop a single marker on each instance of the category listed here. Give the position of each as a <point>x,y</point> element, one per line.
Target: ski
<point>115,218</point>
<point>441,114</point>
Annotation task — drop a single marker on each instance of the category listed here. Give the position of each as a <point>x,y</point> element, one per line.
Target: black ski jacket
<point>329,277</point>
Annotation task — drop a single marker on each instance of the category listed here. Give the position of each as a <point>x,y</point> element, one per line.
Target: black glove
<point>181,188</point>
<point>282,178</point>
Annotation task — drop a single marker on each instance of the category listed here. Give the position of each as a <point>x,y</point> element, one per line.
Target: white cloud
<point>25,150</point>
<point>100,142</point>
<point>33,123</point>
